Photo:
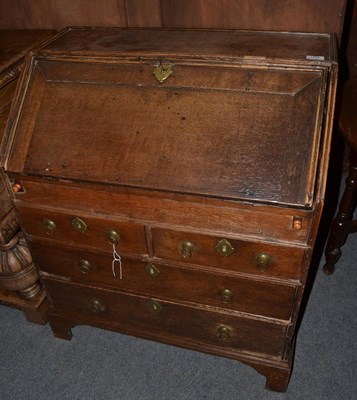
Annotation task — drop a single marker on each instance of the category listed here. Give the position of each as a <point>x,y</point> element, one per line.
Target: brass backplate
<point>162,72</point>
<point>224,248</point>
<point>152,271</point>
<point>79,225</point>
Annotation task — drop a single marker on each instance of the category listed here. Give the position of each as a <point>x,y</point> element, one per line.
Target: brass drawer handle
<point>187,249</point>
<point>96,305</point>
<point>155,306</point>
<point>85,266</point>
<point>113,236</point>
<point>224,332</point>
<point>262,261</point>
<point>152,271</point>
<point>79,225</point>
<point>226,295</point>
<point>50,225</point>
<point>162,72</point>
<point>224,248</point>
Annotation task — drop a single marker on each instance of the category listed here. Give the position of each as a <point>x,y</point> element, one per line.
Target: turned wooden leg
<point>61,327</point>
<point>341,225</point>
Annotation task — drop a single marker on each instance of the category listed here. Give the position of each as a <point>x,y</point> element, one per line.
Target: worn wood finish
<point>151,163</point>
<point>284,261</point>
<point>233,145</point>
<point>57,14</point>
<point>132,236</point>
<point>172,319</point>
<point>15,44</point>
<point>172,282</point>
<point>193,44</point>
<point>277,372</point>
<point>307,16</point>
<point>167,209</point>
<point>289,15</point>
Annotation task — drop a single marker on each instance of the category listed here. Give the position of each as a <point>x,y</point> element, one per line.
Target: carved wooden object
<point>19,279</point>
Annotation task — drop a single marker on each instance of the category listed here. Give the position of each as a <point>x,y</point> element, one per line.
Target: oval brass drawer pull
<point>224,332</point>
<point>152,271</point>
<point>224,248</point>
<point>50,225</point>
<point>113,236</point>
<point>263,260</point>
<point>187,249</point>
<point>226,295</point>
<point>96,305</point>
<point>85,266</point>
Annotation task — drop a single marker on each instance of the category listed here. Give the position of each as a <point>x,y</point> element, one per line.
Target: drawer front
<point>129,313</point>
<point>228,254</point>
<point>170,282</point>
<point>84,230</point>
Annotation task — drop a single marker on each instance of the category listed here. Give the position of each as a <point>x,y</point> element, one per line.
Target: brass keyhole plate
<point>224,248</point>
<point>162,72</point>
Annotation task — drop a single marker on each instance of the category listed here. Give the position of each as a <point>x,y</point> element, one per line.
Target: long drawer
<point>161,280</point>
<point>256,258</point>
<point>131,313</point>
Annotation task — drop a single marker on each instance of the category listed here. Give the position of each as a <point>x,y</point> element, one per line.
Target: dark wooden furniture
<point>343,224</point>
<point>19,278</point>
<point>172,183</point>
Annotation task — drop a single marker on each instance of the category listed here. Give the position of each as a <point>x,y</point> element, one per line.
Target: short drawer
<point>147,316</point>
<point>171,282</point>
<point>256,258</point>
<point>84,230</point>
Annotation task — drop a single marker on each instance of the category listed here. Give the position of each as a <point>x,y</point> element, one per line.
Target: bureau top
<point>194,43</point>
<point>226,114</point>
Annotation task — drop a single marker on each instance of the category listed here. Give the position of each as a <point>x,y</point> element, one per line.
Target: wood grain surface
<point>304,15</point>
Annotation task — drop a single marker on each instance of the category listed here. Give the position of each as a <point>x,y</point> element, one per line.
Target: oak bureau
<point>172,183</point>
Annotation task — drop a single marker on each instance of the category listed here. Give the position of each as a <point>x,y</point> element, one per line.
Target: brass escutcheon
<point>224,248</point>
<point>113,236</point>
<point>224,332</point>
<point>152,271</point>
<point>49,225</point>
<point>263,261</point>
<point>96,305</point>
<point>85,266</point>
<point>155,306</point>
<point>79,225</point>
<point>226,295</point>
<point>187,249</point>
<point>162,72</point>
